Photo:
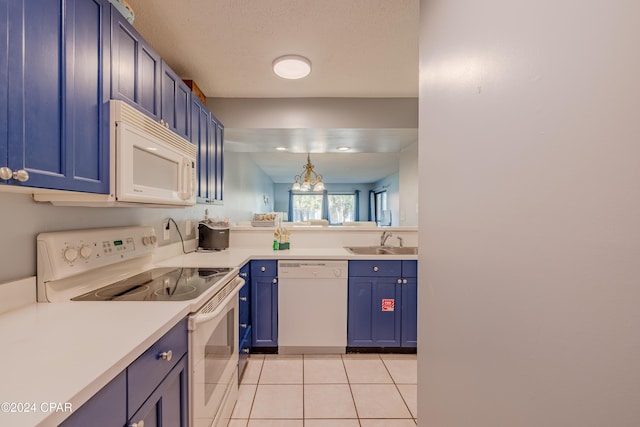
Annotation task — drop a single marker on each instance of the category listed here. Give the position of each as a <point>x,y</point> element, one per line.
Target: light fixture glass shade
<point>295,186</point>
<point>305,186</point>
<point>292,67</point>
<point>319,186</point>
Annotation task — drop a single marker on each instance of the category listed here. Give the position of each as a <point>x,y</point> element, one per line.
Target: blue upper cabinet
<point>176,97</point>
<point>216,158</point>
<point>56,94</point>
<point>199,136</point>
<point>135,68</point>
<point>4,82</point>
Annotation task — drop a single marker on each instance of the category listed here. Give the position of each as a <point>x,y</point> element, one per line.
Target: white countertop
<point>66,352</point>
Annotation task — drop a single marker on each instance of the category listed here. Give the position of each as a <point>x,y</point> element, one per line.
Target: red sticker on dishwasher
<point>388,304</point>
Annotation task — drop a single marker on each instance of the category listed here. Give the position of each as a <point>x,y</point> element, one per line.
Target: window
<point>306,206</point>
<point>342,207</point>
<point>334,207</point>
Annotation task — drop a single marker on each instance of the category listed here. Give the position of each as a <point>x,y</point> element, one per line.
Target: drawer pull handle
<point>245,350</point>
<point>243,274</point>
<point>375,268</point>
<point>263,268</point>
<point>243,325</point>
<point>274,281</point>
<point>166,355</point>
<point>138,424</point>
<point>243,299</point>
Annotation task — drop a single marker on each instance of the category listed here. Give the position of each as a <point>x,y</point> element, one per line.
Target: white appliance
<point>312,306</point>
<point>114,264</point>
<point>149,164</point>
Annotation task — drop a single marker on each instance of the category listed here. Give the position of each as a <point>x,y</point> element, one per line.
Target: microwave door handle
<point>187,184</point>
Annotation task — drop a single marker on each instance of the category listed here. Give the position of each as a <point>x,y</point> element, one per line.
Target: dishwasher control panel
<point>305,269</point>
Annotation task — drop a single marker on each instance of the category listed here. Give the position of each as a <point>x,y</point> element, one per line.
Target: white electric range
<point>116,264</point>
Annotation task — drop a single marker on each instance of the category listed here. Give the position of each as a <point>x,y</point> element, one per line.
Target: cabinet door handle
<point>274,281</point>
<point>245,350</point>
<point>243,299</point>
<point>404,281</point>
<point>243,325</point>
<point>21,175</point>
<point>138,424</point>
<point>243,274</point>
<point>166,355</point>
<point>6,173</point>
<point>263,268</point>
<point>399,281</point>
<point>375,268</point>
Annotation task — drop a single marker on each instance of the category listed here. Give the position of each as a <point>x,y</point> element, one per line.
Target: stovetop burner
<point>160,284</point>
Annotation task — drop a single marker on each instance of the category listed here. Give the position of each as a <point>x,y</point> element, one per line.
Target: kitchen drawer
<point>264,268</point>
<point>148,370</point>
<point>375,268</point>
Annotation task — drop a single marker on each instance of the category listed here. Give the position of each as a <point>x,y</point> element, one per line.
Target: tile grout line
<point>346,373</point>
<point>397,388</point>
<point>256,392</point>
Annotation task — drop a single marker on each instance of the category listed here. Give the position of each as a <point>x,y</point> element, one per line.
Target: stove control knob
<point>70,254</point>
<point>85,251</point>
<point>146,240</point>
<point>153,239</point>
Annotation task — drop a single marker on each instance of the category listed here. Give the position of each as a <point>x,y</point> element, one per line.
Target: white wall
<point>529,214</point>
<point>21,219</point>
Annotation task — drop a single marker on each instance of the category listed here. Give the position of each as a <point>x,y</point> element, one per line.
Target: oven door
<point>213,359</point>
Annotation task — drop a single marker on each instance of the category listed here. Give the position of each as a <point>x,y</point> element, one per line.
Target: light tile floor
<point>349,390</point>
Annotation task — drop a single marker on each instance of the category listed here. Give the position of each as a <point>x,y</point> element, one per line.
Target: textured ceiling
<point>358,48</point>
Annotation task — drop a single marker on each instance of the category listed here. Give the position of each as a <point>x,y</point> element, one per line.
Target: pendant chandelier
<point>308,179</point>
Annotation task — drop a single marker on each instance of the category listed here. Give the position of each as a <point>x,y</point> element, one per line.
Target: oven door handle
<point>201,318</point>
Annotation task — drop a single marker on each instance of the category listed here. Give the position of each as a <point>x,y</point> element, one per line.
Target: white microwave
<point>149,164</point>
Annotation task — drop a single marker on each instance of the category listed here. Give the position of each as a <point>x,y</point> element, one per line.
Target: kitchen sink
<point>382,250</point>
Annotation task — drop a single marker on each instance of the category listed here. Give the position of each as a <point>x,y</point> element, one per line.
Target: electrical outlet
<point>166,230</point>
<point>188,227</point>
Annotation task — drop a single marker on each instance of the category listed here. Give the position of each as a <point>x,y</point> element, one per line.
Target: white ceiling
<point>358,48</point>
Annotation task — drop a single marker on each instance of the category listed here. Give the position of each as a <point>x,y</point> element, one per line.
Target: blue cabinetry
<point>244,315</point>
<point>54,94</point>
<point>176,97</point>
<point>382,304</point>
<point>264,305</point>
<point>107,408</point>
<point>135,68</point>
<point>208,132</point>
<point>152,389</point>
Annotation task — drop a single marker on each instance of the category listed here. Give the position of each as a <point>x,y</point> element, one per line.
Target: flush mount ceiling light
<point>292,67</point>
<point>343,148</point>
<point>308,178</point>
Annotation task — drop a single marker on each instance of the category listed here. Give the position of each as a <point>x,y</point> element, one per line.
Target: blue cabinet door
<point>4,83</point>
<point>216,158</point>
<point>176,97</point>
<point>374,312</point>
<point>167,406</point>
<point>409,332</point>
<point>200,136</point>
<point>107,408</point>
<point>135,68</point>
<point>264,304</point>
<point>87,76</point>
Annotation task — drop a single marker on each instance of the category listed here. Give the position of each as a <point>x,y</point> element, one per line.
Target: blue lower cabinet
<point>264,304</point>
<point>374,315</point>
<point>383,305</point>
<point>244,316</point>
<point>167,406</point>
<point>107,408</point>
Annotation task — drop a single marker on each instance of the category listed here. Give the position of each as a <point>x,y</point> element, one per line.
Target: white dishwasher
<point>312,306</point>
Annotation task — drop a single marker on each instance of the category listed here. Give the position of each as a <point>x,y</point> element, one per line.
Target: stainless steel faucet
<point>384,237</point>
